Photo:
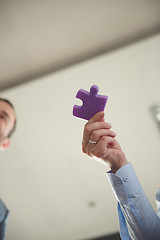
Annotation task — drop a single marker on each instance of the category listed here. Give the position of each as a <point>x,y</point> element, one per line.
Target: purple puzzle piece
<point>92,103</point>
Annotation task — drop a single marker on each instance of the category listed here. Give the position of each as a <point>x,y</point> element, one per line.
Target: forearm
<point>141,220</point>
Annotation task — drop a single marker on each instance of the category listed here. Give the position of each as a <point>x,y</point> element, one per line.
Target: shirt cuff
<point>124,182</point>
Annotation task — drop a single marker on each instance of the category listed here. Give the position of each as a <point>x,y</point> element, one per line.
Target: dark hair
<point>14,126</point>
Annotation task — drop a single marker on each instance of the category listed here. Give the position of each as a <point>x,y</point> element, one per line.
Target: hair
<point>15,122</point>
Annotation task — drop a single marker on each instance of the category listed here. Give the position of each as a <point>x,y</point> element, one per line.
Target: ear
<point>4,144</point>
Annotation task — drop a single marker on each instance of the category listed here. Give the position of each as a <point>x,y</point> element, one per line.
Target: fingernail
<point>108,125</point>
<point>100,114</point>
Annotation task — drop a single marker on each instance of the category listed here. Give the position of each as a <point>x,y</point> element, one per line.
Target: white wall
<point>45,179</point>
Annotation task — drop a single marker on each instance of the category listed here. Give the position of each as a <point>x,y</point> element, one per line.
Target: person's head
<point>7,123</point>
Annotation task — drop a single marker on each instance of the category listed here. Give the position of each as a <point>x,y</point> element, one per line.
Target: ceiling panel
<point>38,37</point>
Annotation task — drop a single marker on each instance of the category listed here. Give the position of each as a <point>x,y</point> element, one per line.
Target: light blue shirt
<point>4,213</point>
<point>137,219</point>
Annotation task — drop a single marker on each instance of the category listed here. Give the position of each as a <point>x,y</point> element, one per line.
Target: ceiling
<point>38,37</point>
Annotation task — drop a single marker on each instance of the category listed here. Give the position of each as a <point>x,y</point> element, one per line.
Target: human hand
<point>99,141</point>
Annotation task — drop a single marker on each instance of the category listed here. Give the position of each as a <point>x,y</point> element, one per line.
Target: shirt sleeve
<point>135,210</point>
<point>4,213</point>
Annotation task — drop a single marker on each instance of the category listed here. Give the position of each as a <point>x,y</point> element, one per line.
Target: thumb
<point>97,117</point>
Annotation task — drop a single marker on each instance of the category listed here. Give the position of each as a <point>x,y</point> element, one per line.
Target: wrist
<point>118,164</point>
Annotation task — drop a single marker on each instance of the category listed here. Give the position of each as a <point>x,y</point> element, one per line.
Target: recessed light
<point>92,204</point>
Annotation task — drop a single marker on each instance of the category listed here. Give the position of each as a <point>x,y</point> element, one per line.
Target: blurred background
<point>48,51</point>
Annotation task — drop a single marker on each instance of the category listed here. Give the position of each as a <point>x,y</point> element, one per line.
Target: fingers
<point>93,127</point>
<point>100,150</point>
<point>94,130</point>
<point>97,134</point>
<point>108,149</point>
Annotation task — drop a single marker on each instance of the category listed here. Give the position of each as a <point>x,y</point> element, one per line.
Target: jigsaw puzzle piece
<point>92,103</point>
